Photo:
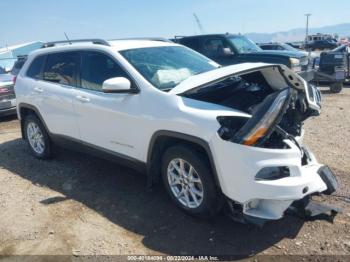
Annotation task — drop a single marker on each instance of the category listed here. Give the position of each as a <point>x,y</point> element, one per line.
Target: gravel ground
<point>79,205</point>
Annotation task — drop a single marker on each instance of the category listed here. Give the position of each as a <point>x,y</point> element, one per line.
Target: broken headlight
<point>230,125</point>
<point>266,116</point>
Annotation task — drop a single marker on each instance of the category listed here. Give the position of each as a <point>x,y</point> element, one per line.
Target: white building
<point>8,55</point>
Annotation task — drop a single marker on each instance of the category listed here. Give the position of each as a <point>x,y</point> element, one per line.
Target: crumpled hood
<point>219,73</point>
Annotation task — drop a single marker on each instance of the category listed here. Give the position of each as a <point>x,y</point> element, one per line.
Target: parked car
<point>297,45</point>
<point>321,44</point>
<point>18,65</point>
<point>7,95</point>
<point>287,47</point>
<point>7,92</point>
<point>212,134</point>
<point>345,50</point>
<point>277,46</point>
<point>333,68</point>
<point>229,49</point>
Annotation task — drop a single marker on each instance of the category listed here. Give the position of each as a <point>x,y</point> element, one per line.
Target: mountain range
<point>298,34</point>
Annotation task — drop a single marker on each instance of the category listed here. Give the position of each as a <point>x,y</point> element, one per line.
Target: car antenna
<point>67,38</point>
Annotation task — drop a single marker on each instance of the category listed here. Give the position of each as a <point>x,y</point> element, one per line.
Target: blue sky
<point>30,20</point>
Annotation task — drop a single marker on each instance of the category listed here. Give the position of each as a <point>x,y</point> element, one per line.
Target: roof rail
<point>160,39</point>
<point>94,41</point>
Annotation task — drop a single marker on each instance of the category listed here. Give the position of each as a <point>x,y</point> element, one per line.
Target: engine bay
<point>247,93</point>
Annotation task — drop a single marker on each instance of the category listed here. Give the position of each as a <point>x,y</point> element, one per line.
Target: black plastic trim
<point>33,108</point>
<point>84,147</point>
<point>185,137</point>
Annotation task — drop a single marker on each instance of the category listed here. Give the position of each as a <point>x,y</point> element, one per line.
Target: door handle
<point>38,90</point>
<point>83,99</point>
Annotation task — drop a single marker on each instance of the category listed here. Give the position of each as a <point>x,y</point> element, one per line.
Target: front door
<point>106,120</point>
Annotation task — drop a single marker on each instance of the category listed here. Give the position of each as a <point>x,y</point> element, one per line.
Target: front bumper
<point>308,75</point>
<point>237,166</point>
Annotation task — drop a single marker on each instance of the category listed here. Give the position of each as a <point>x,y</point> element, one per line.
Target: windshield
<point>167,66</point>
<point>289,48</point>
<point>243,44</point>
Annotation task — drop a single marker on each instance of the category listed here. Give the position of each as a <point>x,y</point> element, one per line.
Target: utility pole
<point>307,26</point>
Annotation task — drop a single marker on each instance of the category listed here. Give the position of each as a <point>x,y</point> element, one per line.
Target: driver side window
<point>96,68</point>
<point>216,48</point>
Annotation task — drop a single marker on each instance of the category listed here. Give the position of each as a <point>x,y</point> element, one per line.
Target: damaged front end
<point>263,166</point>
<point>277,100</point>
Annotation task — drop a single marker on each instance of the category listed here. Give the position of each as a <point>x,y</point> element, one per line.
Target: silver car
<point>7,95</point>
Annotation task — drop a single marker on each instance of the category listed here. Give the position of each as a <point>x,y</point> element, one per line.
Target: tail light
<point>14,79</point>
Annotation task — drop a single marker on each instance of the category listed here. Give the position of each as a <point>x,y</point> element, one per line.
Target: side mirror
<point>117,85</point>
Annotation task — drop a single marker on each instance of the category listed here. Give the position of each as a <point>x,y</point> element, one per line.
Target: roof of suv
<point>116,45</point>
<point>134,43</point>
<point>207,35</point>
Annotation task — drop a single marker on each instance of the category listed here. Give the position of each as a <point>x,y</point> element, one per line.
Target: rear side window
<point>62,68</point>
<point>192,43</point>
<point>266,47</point>
<point>34,70</point>
<point>97,68</point>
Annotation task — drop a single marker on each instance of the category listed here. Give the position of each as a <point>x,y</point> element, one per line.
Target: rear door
<point>54,93</point>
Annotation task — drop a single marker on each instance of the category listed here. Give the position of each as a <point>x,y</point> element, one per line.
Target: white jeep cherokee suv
<point>211,133</point>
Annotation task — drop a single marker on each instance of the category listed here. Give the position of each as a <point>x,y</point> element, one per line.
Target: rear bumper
<point>7,107</point>
<point>8,111</point>
<point>338,76</point>
<point>237,166</point>
<point>307,75</point>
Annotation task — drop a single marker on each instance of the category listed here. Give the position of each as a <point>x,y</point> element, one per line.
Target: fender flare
<point>189,138</point>
<point>37,112</point>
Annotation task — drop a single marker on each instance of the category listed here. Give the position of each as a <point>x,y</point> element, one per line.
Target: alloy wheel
<point>185,183</point>
<point>35,138</point>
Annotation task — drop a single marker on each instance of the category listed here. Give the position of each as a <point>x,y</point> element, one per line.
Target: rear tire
<point>189,182</point>
<point>37,137</point>
<point>336,87</point>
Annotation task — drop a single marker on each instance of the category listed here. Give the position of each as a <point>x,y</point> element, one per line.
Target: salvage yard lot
<point>81,205</point>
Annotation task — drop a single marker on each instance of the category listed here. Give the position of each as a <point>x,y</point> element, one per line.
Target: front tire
<point>37,137</point>
<point>189,183</point>
<point>336,87</point>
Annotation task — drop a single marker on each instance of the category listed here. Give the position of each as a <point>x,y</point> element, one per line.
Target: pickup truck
<point>229,49</point>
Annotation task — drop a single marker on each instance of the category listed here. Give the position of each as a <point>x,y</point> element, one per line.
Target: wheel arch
<point>26,109</point>
<point>163,139</point>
